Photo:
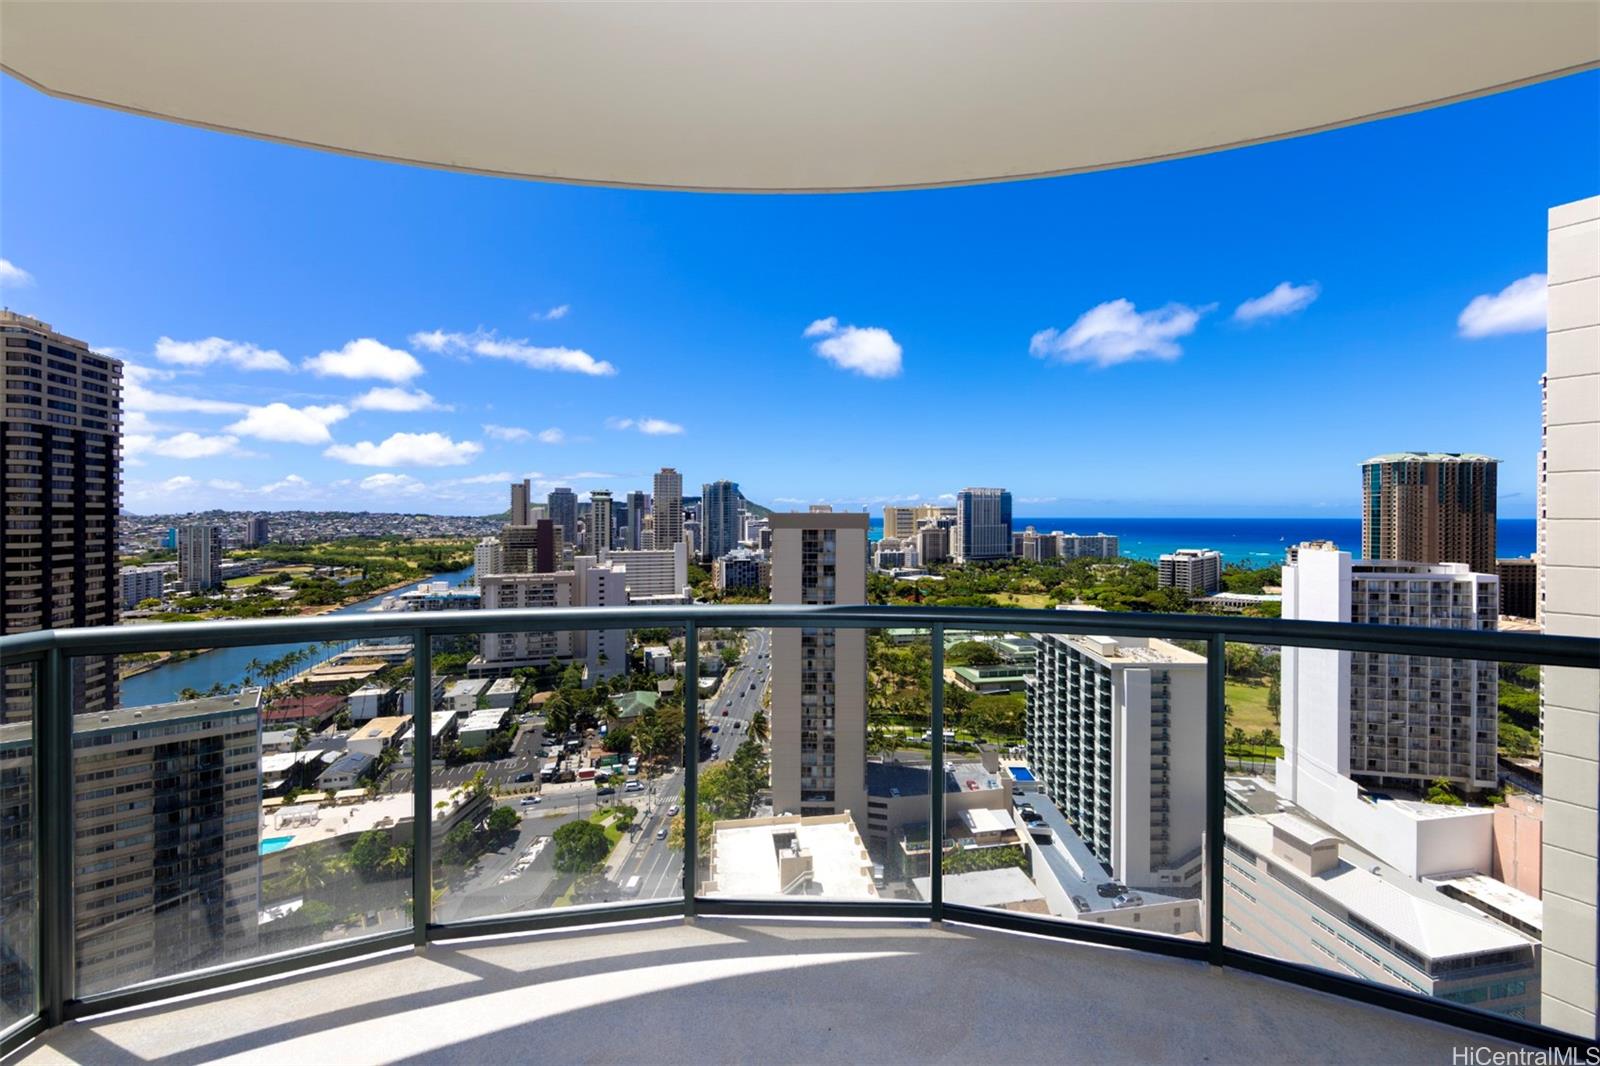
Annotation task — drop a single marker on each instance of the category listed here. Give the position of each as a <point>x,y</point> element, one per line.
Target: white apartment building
<point>604,651</point>
<point>507,651</point>
<point>654,573</point>
<point>667,509</point>
<point>1034,546</point>
<point>139,583</point>
<point>199,556</point>
<point>1115,733</point>
<point>1197,571</point>
<point>486,556</point>
<point>1569,575</point>
<point>983,525</point>
<point>1296,892</point>
<point>932,541</point>
<point>819,676</point>
<point>1355,719</point>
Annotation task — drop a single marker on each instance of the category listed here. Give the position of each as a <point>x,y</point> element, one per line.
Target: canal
<point>227,665</point>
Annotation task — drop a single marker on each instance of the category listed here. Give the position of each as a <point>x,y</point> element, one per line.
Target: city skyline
<point>291,350</point>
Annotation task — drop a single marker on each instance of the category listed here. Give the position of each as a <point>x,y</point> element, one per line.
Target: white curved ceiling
<point>784,96</point>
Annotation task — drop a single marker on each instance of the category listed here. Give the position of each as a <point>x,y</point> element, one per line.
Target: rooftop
<point>746,854</point>
<point>1432,457</point>
<point>909,779</point>
<point>381,728</point>
<point>1004,887</point>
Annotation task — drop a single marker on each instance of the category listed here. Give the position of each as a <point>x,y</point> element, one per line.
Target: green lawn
<point>1249,702</point>
<point>1032,600</point>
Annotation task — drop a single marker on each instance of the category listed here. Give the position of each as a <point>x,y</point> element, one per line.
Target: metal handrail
<point>53,649</point>
<point>1532,648</point>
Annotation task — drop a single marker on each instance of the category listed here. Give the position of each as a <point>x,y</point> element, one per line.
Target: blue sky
<point>1216,336</point>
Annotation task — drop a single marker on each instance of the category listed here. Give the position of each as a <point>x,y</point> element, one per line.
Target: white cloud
<point>1117,332</point>
<point>136,397</point>
<point>1284,299</point>
<point>487,344</point>
<point>134,422</point>
<point>391,484</point>
<point>393,399</point>
<point>366,358</point>
<point>788,499</point>
<point>866,350</point>
<point>652,427</point>
<point>551,436</point>
<point>211,350</point>
<point>13,275</point>
<point>946,496</point>
<point>289,481</point>
<point>1037,499</point>
<point>512,433</point>
<point>407,449</point>
<point>1517,308</point>
<point>292,425</point>
<point>186,446</point>
<point>226,485</point>
<point>486,479</point>
<point>559,311</point>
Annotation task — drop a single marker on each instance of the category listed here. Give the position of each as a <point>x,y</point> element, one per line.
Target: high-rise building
<point>1384,720</point>
<point>257,530</point>
<point>1430,507</point>
<point>58,527</point>
<point>601,584</point>
<point>1197,571</point>
<point>563,504</point>
<point>742,568</point>
<point>174,851</point>
<point>486,557</point>
<point>1519,587</point>
<point>503,652</point>
<point>819,676</point>
<point>1569,574</point>
<point>933,541</point>
<point>638,508</point>
<point>1112,728</point>
<point>655,575</point>
<point>199,556</point>
<point>535,549</point>
<point>667,499</point>
<point>602,522</point>
<point>720,528</point>
<point>140,583</point>
<point>521,513</point>
<point>903,522</point>
<point>983,525</point>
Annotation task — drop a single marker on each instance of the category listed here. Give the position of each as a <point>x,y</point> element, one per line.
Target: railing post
<point>936,779</point>
<point>52,804</point>
<point>421,786</point>
<point>1216,705</point>
<point>691,764</point>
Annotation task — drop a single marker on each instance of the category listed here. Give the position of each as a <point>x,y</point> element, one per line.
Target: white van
<point>633,786</point>
<point>631,889</point>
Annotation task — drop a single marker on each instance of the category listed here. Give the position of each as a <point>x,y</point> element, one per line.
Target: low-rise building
<point>475,730</point>
<point>991,680</point>
<point>371,701</point>
<point>502,693</point>
<point>1006,889</point>
<point>378,734</point>
<point>742,568</point>
<point>789,855</point>
<point>139,583</point>
<point>462,696</point>
<point>350,771</point>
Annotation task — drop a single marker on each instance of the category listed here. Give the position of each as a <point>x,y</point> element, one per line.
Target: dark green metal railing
<point>49,653</point>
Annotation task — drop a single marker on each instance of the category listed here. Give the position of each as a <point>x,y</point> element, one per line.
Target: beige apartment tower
<point>667,528</point>
<point>1430,507</point>
<point>63,438</point>
<point>819,676</point>
<point>1569,576</point>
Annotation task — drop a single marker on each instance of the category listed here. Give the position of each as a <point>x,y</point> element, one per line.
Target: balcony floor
<point>726,990</point>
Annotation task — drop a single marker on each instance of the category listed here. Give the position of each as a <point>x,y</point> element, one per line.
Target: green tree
<point>580,847</point>
<point>369,851</point>
<point>1442,791</point>
<point>151,603</point>
<point>504,820</point>
<point>760,730</point>
<point>972,653</point>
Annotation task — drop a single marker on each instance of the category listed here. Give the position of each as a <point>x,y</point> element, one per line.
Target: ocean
<point>1240,540</point>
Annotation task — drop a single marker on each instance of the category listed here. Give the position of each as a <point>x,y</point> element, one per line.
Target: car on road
<point>672,811</point>
<point>522,778</point>
<point>605,790</point>
<point>1110,889</point>
<point>715,728</point>
<point>529,801</point>
<point>724,712</point>
<point>661,834</point>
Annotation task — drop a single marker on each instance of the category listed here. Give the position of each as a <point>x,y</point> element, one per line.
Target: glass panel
<point>819,787</point>
<point>1424,824</point>
<point>257,804</point>
<point>1106,784</point>
<point>569,746</point>
<point>19,933</point>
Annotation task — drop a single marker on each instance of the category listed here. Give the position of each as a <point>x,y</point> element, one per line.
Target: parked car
<point>521,778</point>
<point>605,790</point>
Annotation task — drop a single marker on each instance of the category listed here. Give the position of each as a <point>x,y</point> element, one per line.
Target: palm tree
<point>307,873</point>
<point>759,730</point>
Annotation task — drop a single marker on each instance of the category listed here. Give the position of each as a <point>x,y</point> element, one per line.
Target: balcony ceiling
<point>785,97</point>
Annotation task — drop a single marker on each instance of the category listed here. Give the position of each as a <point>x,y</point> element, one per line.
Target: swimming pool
<point>1018,773</point>
<point>272,844</point>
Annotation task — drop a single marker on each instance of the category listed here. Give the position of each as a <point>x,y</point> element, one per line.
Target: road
<point>740,694</point>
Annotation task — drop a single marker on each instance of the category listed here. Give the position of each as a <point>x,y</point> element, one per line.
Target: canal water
<point>227,665</point>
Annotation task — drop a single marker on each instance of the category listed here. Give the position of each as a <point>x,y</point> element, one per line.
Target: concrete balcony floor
<point>726,990</point>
